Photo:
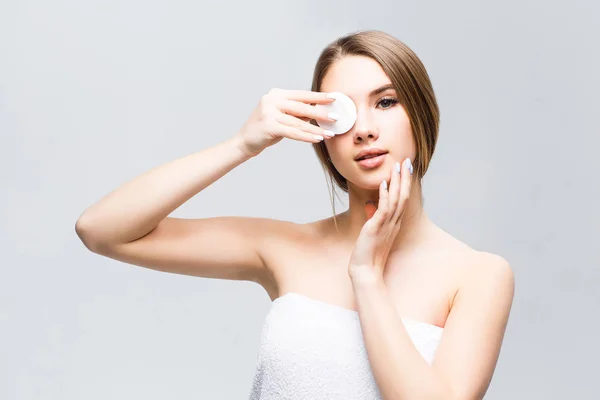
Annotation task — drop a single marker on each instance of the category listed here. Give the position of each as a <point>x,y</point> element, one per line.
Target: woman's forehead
<point>356,77</point>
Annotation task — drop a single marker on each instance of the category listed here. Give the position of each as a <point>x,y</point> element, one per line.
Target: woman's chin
<point>370,184</point>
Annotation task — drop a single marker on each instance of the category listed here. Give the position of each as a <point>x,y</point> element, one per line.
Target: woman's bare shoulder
<point>472,261</point>
<point>286,229</point>
<point>460,254</point>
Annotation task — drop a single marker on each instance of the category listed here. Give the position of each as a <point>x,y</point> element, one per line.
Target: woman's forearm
<point>135,208</point>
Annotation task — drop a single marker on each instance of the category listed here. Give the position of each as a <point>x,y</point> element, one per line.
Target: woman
<point>375,302</point>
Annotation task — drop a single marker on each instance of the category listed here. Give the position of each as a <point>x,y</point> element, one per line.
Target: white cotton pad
<point>345,108</point>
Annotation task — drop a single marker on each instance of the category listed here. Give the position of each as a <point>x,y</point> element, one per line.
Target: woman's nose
<point>364,128</point>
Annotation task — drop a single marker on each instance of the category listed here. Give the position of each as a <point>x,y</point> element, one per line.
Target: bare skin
<point>425,267</point>
<point>423,277</point>
<point>384,257</point>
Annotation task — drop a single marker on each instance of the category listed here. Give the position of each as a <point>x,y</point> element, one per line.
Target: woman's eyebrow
<point>381,89</point>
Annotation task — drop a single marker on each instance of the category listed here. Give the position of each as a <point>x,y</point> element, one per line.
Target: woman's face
<point>381,121</point>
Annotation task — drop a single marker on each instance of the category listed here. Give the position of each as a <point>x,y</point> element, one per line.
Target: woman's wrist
<point>240,147</point>
<point>363,275</point>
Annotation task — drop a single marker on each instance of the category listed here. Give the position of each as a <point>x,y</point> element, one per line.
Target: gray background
<point>93,93</point>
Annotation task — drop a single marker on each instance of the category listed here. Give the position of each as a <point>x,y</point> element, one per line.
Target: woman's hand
<point>284,113</point>
<point>374,242</point>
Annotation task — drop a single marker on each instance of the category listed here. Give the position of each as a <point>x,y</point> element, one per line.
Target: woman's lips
<point>372,162</point>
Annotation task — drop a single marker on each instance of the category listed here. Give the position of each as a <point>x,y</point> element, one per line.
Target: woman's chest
<point>422,287</point>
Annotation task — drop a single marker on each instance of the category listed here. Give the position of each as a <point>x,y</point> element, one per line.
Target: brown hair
<point>410,80</point>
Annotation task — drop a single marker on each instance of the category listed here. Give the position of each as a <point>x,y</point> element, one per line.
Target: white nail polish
<point>397,167</point>
<point>385,185</point>
<point>409,165</point>
<point>328,133</point>
<point>333,116</point>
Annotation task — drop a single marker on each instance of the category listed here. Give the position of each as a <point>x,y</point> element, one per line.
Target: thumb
<point>370,209</point>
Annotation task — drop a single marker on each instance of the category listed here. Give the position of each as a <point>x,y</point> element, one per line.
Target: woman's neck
<point>412,225</point>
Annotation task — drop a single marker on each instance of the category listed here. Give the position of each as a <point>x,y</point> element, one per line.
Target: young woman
<point>374,302</point>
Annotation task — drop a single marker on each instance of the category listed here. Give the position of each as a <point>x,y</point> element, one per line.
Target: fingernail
<point>385,185</point>
<point>328,133</point>
<point>397,167</point>
<point>333,116</point>
<point>330,96</point>
<point>409,165</point>
<point>318,137</point>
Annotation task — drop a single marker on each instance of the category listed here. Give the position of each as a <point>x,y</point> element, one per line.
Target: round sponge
<point>345,108</point>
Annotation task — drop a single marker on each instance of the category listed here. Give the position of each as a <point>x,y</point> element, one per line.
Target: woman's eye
<point>388,103</point>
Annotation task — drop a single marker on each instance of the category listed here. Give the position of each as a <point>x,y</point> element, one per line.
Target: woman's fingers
<point>292,132</point>
<point>382,213</point>
<point>394,191</point>
<point>405,186</point>
<point>298,123</point>
<point>304,96</point>
<point>303,110</point>
<point>295,111</point>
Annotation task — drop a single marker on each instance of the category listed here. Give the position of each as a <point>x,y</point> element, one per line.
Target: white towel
<point>312,350</point>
